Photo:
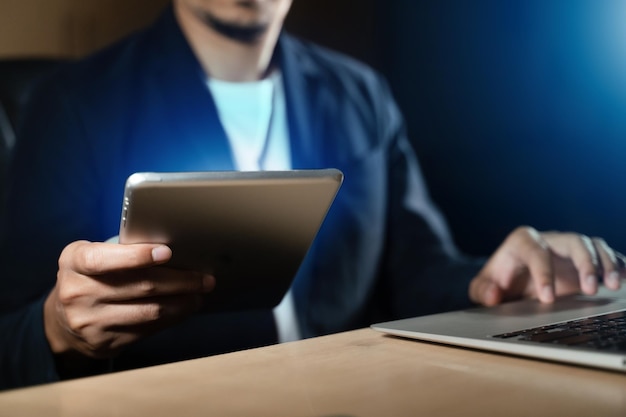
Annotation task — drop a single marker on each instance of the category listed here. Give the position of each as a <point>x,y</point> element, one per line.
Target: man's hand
<point>542,265</point>
<point>110,295</point>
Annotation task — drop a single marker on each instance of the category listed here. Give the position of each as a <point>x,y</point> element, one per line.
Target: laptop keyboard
<point>606,332</point>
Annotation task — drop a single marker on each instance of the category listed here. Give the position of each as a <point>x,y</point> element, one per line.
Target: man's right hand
<point>109,295</point>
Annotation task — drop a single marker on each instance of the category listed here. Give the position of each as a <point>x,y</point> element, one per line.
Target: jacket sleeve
<point>43,183</point>
<point>25,358</point>
<point>424,271</point>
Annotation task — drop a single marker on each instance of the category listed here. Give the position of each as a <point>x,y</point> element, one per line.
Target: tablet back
<point>251,230</point>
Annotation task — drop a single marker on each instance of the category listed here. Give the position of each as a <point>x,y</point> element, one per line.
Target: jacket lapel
<point>301,96</point>
<point>182,81</point>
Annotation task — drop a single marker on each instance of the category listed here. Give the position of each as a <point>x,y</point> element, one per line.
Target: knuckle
<point>524,231</point>
<point>76,323</point>
<point>523,228</point>
<point>586,241</point>
<point>66,256</point>
<point>67,294</point>
<point>91,259</point>
<point>527,235</point>
<point>600,243</point>
<point>147,287</point>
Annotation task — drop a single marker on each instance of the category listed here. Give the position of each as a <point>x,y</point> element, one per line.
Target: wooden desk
<point>354,374</point>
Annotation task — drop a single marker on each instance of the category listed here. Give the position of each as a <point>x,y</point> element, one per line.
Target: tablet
<point>251,230</point>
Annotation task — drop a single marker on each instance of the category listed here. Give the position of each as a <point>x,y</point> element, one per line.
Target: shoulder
<point>128,74</point>
<point>333,66</point>
<point>96,93</point>
<point>115,65</point>
<point>345,86</point>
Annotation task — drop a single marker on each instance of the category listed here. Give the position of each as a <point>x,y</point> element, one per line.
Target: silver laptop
<point>582,330</point>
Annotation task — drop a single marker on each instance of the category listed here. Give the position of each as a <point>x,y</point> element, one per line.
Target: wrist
<point>52,328</point>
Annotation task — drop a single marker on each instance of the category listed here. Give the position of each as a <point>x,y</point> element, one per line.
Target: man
<point>172,98</point>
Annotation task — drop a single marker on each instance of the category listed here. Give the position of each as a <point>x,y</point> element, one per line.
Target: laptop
<point>578,329</point>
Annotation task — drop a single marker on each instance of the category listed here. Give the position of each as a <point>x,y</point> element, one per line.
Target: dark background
<point>517,108</point>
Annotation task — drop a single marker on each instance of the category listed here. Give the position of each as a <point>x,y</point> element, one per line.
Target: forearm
<point>424,272</point>
<point>434,287</point>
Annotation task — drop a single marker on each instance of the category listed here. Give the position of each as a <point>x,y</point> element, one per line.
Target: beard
<point>243,33</point>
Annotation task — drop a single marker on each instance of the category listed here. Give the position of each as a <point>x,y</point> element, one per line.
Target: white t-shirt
<point>254,117</point>
<point>255,120</point>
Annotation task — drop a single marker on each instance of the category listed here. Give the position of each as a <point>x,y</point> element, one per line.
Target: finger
<point>582,253</point>
<point>105,330</point>
<point>91,258</point>
<point>155,282</point>
<point>534,252</point>
<point>588,264</point>
<point>93,273</point>
<point>132,285</point>
<point>621,264</point>
<point>164,310</point>
<point>609,261</point>
<point>484,291</point>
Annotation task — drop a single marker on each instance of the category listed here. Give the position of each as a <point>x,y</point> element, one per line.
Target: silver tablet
<point>251,230</point>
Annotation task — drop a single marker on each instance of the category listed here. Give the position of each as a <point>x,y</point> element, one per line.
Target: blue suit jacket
<point>142,105</point>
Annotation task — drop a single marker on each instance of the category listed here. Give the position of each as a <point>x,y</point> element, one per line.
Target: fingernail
<point>547,294</point>
<point>161,253</point>
<point>591,282</point>
<point>492,295</point>
<point>612,281</point>
<point>208,282</point>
